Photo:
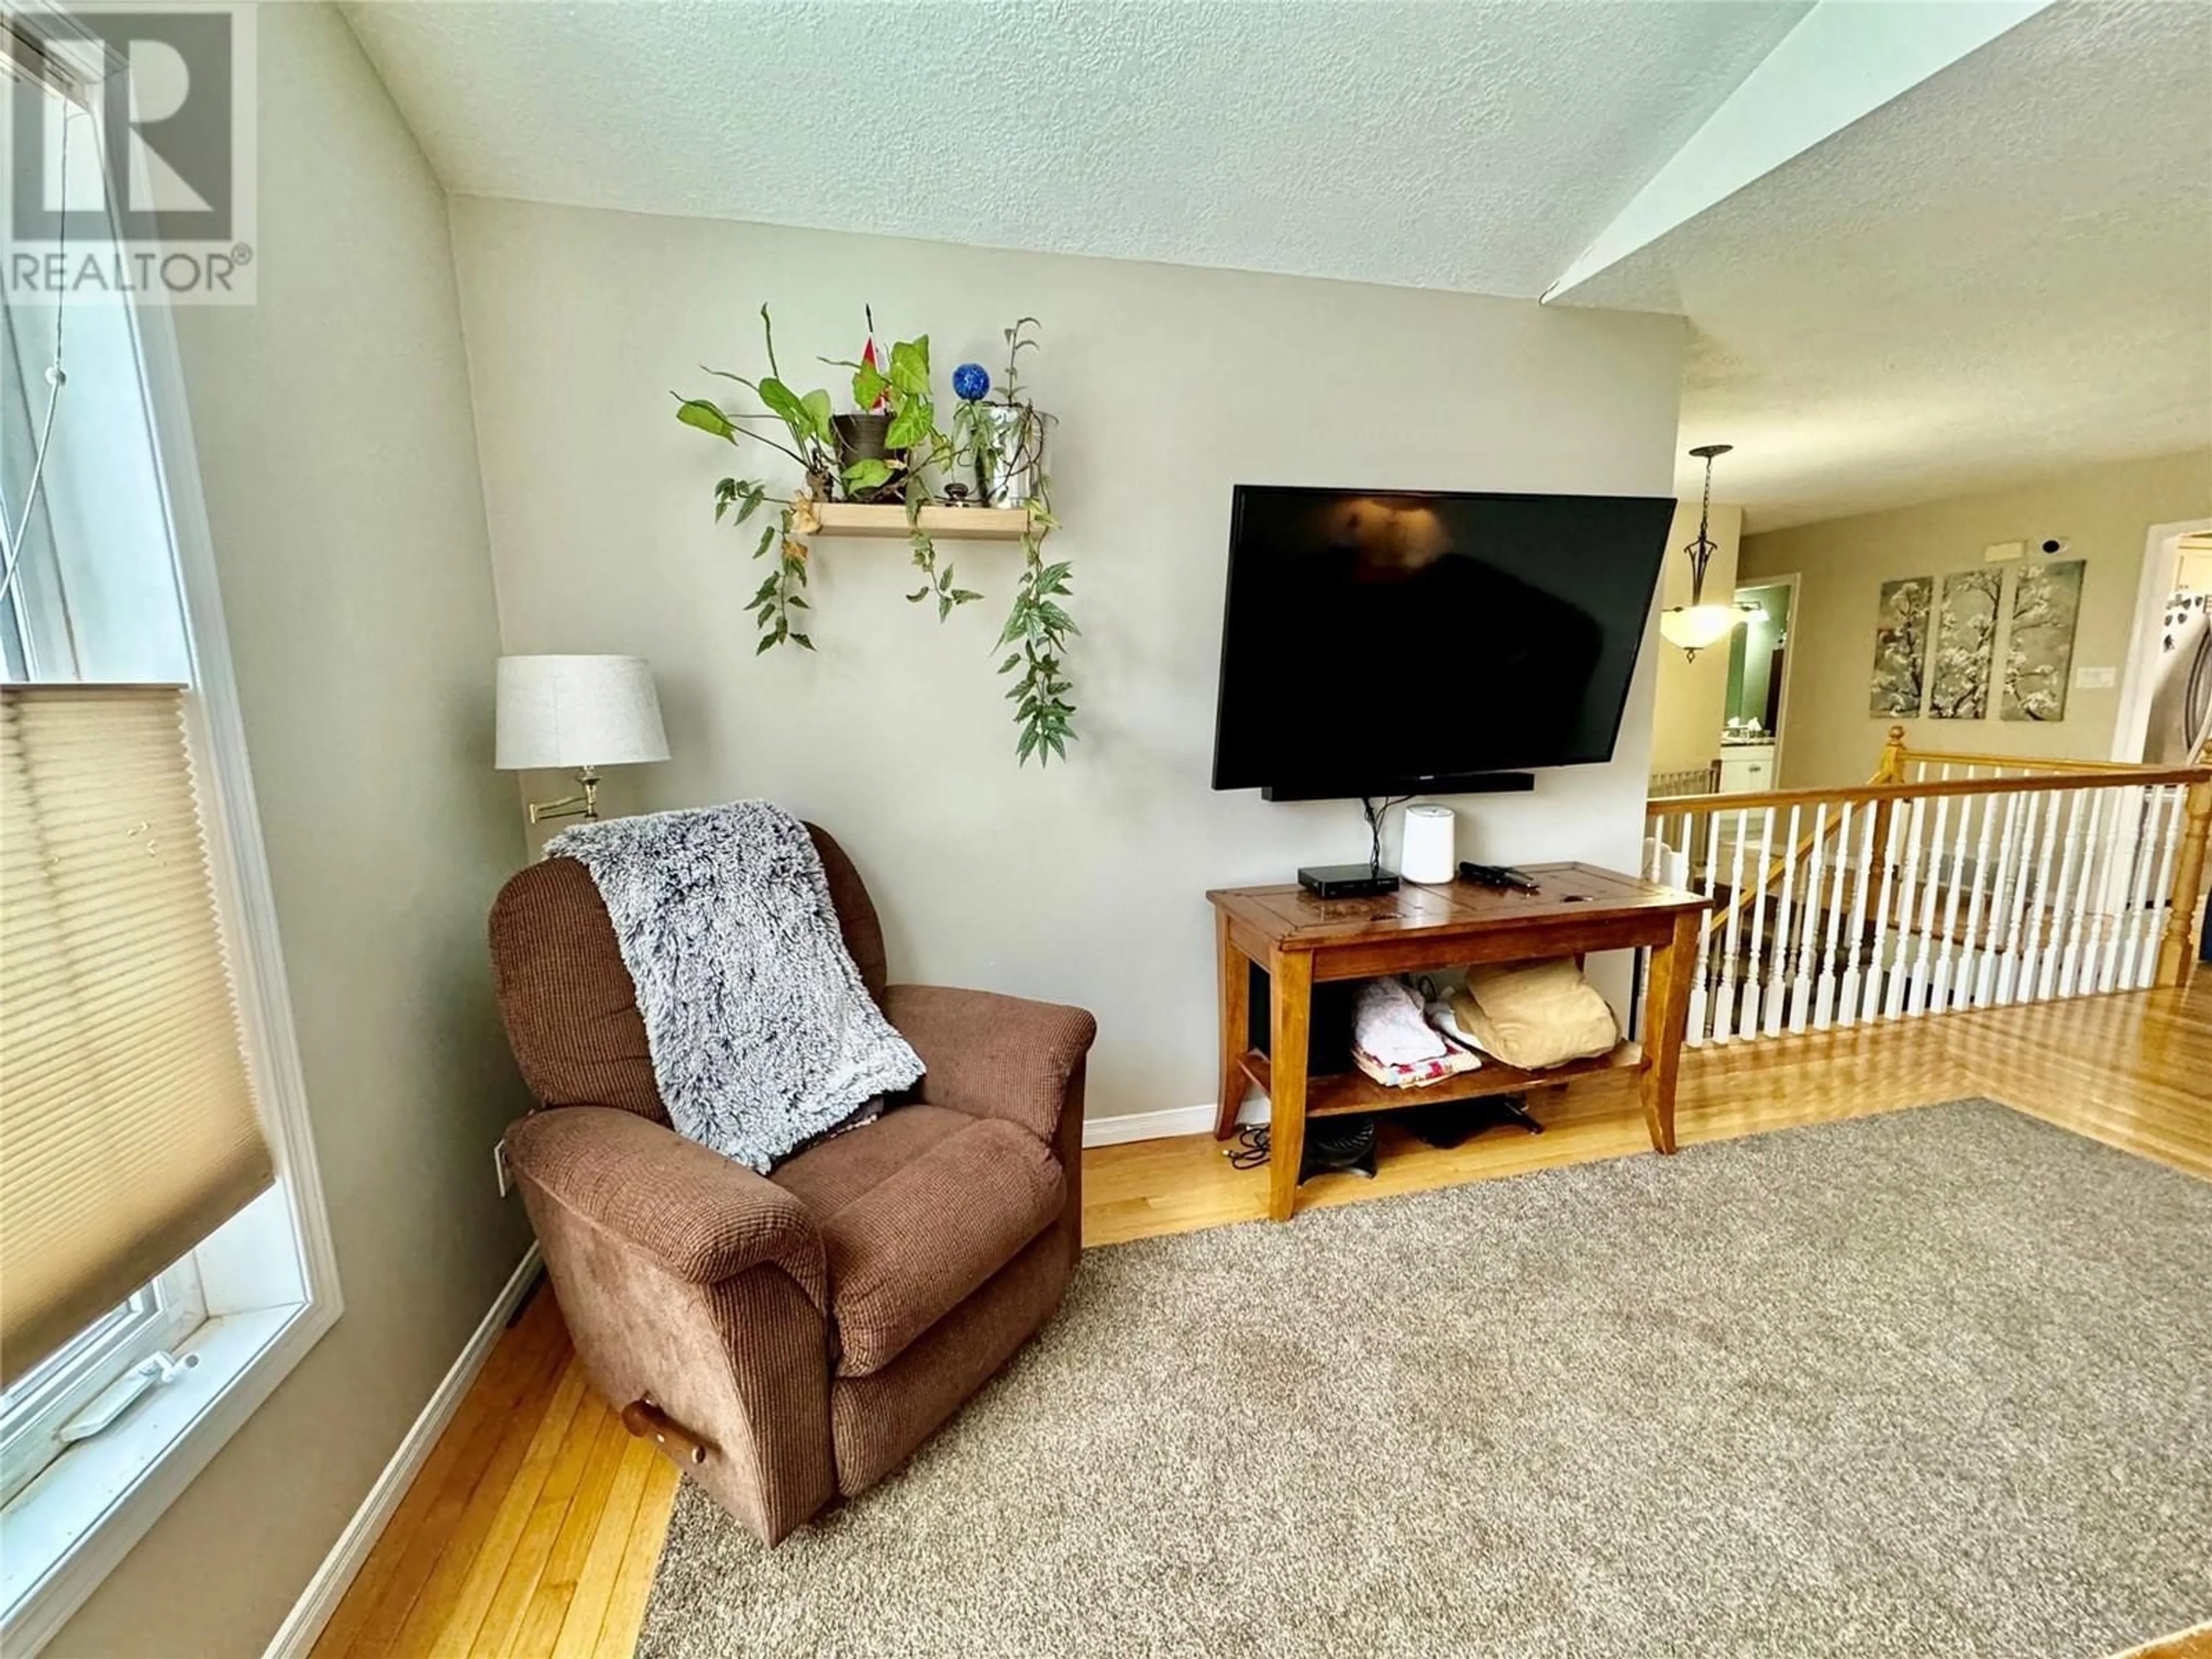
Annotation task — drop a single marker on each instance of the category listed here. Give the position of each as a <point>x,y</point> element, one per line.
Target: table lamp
<point>580,714</point>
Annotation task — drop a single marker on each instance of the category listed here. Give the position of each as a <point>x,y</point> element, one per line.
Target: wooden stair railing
<point>1911,894</point>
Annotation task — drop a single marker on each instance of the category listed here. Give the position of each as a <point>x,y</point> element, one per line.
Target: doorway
<point>1757,709</point>
<point>2177,568</point>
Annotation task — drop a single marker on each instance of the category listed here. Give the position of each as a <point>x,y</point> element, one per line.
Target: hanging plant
<point>892,450</point>
<point>1004,439</point>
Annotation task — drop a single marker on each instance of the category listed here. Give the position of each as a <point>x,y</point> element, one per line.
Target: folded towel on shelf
<point>1388,1023</point>
<point>1451,1062</point>
<point>1445,1019</point>
<point>1536,1014</point>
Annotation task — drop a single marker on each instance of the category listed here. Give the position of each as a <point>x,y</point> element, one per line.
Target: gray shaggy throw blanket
<point>762,1035</point>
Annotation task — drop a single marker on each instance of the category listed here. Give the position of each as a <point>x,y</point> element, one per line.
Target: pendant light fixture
<point>1697,625</point>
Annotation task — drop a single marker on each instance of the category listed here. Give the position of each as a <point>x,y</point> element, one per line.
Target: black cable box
<point>1347,880</point>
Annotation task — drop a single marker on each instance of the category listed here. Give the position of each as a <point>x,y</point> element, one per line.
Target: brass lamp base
<point>583,806</point>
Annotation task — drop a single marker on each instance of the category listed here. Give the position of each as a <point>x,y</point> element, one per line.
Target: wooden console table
<point>1300,941</point>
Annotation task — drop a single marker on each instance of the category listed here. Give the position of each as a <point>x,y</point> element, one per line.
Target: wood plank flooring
<point>534,1527</point>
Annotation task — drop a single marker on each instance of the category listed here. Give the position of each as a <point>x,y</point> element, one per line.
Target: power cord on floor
<point>1251,1149</point>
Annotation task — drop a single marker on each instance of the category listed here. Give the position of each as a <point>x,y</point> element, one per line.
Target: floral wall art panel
<point>1901,647</point>
<point>1966,645</point>
<point>2046,603</point>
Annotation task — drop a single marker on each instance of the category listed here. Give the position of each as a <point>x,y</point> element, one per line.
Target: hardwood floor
<point>535,1526</point>
<point>533,1530</point>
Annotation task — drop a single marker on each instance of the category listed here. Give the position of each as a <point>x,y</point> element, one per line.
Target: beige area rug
<point>1935,1382</point>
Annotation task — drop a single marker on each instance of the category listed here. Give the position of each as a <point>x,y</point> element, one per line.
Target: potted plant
<point>888,449</point>
<point>1002,439</point>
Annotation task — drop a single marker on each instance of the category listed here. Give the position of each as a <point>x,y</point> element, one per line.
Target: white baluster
<point>2081,932</point>
<point>1705,930</point>
<point>1754,966</point>
<point>2038,916</point>
<point>1939,998</point>
<point>1893,999</point>
<point>2162,891</point>
<point>1876,968</point>
<point>1848,990</point>
<point>1777,977</point>
<point>1922,982</point>
<point>1824,998</point>
<point>1808,946</point>
<point>1724,1016</point>
<point>1985,981</point>
<point>2101,968</point>
<point>2142,866</point>
<point>1965,983</point>
<point>2053,931</point>
<point>2017,903</point>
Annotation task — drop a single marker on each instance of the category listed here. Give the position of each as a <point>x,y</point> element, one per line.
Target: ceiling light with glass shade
<point>1696,626</point>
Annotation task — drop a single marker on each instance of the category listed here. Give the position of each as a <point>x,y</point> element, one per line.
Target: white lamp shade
<point>578,711</point>
<point>1694,627</point>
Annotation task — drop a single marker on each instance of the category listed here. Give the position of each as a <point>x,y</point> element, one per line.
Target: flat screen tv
<point>1393,642</point>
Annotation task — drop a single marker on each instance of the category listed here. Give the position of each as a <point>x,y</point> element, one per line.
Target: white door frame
<point>1788,657</point>
<point>2161,560</point>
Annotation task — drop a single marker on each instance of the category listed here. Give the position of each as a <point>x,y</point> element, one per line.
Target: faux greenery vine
<point>801,425</point>
<point>1039,628</point>
<point>1037,624</point>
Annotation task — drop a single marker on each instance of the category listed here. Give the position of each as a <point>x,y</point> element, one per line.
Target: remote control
<point>1496,875</point>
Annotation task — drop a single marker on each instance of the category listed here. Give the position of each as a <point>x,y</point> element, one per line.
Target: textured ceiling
<point>2005,272</point>
<point>1456,146</point>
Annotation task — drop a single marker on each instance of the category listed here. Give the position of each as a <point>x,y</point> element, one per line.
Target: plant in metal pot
<point>1004,439</point>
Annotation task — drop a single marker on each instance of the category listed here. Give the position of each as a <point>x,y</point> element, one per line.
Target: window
<point>59,1401</point>
<point>164,1258</point>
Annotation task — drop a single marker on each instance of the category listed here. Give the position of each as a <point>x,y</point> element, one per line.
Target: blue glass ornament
<point>970,382</point>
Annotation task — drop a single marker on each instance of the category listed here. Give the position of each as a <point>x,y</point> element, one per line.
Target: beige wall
<point>1690,704</point>
<point>2104,511</point>
<point>334,437</point>
<point>1085,883</point>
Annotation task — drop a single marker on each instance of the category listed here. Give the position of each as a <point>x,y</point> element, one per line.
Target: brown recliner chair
<point>809,1328</point>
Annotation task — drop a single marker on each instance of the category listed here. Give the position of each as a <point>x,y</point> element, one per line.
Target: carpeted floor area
<point>1933,1383</point>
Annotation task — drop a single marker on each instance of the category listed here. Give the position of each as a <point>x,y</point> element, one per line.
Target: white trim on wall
<point>297,1634</point>
<point>1126,1126</point>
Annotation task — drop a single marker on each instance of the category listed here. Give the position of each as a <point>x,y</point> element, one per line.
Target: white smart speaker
<point>1430,852</point>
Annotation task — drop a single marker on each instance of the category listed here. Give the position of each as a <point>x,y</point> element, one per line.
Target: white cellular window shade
<point>128,1124</point>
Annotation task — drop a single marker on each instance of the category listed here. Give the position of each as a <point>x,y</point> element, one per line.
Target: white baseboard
<point>297,1634</point>
<point>1174,1121</point>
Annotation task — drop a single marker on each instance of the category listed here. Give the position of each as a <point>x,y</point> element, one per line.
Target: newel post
<point>1892,768</point>
<point>2175,958</point>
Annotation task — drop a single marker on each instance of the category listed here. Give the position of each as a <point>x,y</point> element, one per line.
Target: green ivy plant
<point>805,418</point>
<point>1038,627</point>
<point>1037,624</point>
<point>798,425</point>
<point>918,449</point>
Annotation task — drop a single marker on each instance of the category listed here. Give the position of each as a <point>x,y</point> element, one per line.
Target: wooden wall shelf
<point>975,524</point>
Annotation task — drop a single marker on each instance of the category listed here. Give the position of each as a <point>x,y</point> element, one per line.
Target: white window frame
<point>159,1315</point>
<point>269,1277</point>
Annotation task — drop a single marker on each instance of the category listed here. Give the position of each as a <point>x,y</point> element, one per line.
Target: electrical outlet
<point>504,1176</point>
<point>2096,679</point>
